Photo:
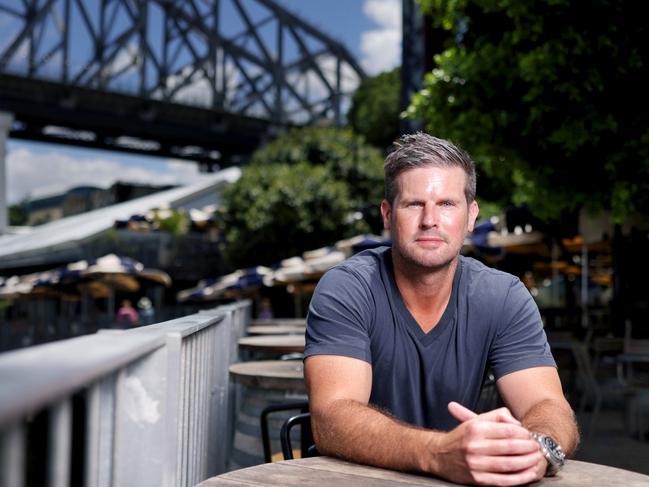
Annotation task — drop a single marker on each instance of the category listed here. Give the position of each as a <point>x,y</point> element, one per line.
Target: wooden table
<point>324,471</point>
<point>280,322</point>
<point>283,375</point>
<point>273,343</point>
<point>275,330</point>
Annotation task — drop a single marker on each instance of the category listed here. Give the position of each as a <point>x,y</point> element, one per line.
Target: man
<point>399,340</point>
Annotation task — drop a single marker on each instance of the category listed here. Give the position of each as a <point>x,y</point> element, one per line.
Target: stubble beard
<point>414,262</point>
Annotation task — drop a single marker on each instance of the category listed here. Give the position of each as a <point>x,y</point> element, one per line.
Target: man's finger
<point>498,430</point>
<point>514,478</point>
<point>500,415</point>
<point>508,463</point>
<point>460,413</point>
<point>502,446</point>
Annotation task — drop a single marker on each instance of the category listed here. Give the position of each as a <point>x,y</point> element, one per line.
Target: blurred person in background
<point>127,314</point>
<point>147,313</point>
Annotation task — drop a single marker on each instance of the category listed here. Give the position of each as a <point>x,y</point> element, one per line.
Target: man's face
<point>430,216</point>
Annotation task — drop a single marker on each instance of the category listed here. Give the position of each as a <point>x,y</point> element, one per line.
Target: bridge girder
<point>248,64</point>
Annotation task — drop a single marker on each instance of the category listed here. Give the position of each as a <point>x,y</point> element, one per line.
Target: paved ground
<point>611,445</point>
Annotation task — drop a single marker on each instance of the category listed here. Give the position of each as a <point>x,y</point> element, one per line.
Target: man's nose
<point>429,216</point>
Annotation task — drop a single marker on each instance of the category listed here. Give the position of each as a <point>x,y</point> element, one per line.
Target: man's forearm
<point>556,420</point>
<point>360,433</point>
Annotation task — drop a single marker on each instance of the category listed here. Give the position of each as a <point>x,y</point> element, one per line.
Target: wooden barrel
<point>261,384</point>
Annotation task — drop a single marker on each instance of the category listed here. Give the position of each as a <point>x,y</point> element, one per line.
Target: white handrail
<point>150,404</point>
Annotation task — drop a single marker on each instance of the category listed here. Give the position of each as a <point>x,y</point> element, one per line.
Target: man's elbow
<point>328,425</point>
<point>322,434</point>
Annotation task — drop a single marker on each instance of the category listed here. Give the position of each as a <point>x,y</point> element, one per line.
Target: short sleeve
<point>339,317</point>
<point>520,341</point>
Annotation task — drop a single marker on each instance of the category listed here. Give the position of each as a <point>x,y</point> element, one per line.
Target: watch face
<point>553,449</point>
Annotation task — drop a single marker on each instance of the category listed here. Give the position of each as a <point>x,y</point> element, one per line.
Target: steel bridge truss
<point>249,58</point>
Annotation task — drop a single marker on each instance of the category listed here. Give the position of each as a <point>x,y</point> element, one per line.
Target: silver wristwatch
<point>553,453</point>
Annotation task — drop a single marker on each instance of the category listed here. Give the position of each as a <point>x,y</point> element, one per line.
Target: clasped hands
<point>492,448</point>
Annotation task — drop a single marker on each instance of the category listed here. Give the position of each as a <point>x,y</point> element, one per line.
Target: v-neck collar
<point>447,317</point>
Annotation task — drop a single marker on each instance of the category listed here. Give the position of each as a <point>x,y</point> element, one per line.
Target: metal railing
<point>146,406</point>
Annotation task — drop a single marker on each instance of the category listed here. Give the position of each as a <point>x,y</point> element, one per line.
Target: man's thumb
<point>459,412</point>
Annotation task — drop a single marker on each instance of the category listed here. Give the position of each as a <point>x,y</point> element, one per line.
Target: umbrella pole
<point>4,326</point>
<point>584,285</point>
<point>555,274</point>
<point>111,303</point>
<point>84,307</point>
<point>157,303</point>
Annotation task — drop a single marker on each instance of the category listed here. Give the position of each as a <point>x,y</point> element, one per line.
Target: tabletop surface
<point>280,322</point>
<point>285,369</point>
<point>332,472</point>
<point>274,343</point>
<point>634,357</point>
<point>286,375</point>
<point>275,330</point>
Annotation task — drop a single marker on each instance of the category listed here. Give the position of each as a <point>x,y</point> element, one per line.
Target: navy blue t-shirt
<point>491,321</point>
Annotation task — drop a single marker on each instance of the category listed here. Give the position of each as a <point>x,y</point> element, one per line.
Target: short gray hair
<point>421,150</point>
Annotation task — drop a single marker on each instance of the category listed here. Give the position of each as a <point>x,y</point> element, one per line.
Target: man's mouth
<point>430,240</point>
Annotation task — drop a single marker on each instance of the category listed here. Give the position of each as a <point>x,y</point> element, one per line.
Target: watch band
<point>552,452</point>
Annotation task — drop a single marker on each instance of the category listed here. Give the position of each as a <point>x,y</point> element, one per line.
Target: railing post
<point>219,400</point>
<point>173,411</point>
<point>100,424</point>
<point>12,456</point>
<point>60,444</point>
<point>139,448</point>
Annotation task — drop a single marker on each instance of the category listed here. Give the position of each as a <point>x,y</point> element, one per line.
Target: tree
<point>18,213</point>
<point>550,101</point>
<point>307,189</point>
<point>375,108</point>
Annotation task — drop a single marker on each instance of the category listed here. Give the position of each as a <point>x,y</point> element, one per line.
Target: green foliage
<point>375,108</point>
<point>177,223</point>
<point>549,100</point>
<point>345,156</point>
<point>307,189</point>
<point>18,214</point>
<point>110,236</point>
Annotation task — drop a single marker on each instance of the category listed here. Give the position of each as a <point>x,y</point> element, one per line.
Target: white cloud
<point>386,13</point>
<point>317,91</point>
<point>198,90</point>
<point>46,173</point>
<point>125,60</point>
<point>381,47</point>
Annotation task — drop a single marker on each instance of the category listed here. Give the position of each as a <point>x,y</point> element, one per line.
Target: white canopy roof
<point>52,241</point>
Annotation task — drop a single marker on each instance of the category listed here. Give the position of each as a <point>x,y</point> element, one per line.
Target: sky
<point>370,29</point>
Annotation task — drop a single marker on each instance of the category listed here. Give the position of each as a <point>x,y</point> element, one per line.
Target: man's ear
<point>474,209</point>
<point>386,212</point>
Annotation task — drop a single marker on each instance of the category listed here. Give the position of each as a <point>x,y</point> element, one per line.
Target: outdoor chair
<point>307,445</point>
<point>302,406</point>
<point>640,410</point>
<point>596,390</point>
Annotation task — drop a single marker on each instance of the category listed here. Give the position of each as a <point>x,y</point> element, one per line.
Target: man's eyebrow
<point>412,199</point>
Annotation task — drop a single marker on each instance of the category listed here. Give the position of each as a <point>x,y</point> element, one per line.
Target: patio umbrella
<point>123,273</point>
<point>17,286</point>
<point>214,288</point>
